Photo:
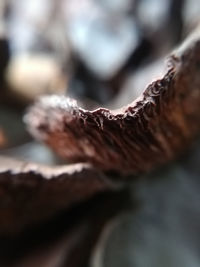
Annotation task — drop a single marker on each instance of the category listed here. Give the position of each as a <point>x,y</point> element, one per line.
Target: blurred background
<point>104,53</point>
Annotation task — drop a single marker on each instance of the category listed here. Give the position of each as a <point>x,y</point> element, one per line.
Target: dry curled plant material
<point>31,193</point>
<point>150,131</point>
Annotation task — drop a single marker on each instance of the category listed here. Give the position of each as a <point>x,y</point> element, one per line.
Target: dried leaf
<point>152,130</point>
<point>31,193</point>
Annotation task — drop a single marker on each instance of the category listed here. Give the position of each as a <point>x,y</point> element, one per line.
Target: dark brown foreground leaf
<point>152,130</point>
<point>31,193</point>
<point>66,240</point>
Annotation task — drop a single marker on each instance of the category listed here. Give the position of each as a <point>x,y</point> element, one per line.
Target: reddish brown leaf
<point>31,193</point>
<point>151,131</point>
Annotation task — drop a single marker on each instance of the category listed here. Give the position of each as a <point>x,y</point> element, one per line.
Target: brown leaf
<point>31,193</point>
<point>66,240</point>
<point>150,131</point>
